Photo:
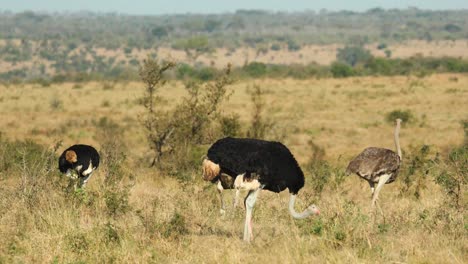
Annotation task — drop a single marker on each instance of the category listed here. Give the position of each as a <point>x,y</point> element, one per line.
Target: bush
<point>275,47</point>
<point>176,227</point>
<point>418,166</point>
<point>353,55</point>
<point>454,174</point>
<point>116,193</point>
<point>230,126</point>
<point>255,69</point>
<point>180,130</point>
<point>293,46</point>
<point>259,125</point>
<point>206,74</point>
<point>340,70</point>
<point>382,46</point>
<point>318,168</point>
<point>406,116</point>
<point>380,66</point>
<point>34,163</point>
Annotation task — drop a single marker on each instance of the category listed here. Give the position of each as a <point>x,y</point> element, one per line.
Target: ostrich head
<point>70,156</point>
<point>398,121</point>
<point>210,170</point>
<point>313,210</point>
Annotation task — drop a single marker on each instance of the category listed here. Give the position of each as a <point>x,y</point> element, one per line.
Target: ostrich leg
<point>236,198</point>
<point>220,189</point>
<point>249,204</point>
<point>383,179</point>
<point>371,184</point>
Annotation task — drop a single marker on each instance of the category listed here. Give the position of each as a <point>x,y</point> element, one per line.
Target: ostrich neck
<point>292,211</point>
<point>397,140</point>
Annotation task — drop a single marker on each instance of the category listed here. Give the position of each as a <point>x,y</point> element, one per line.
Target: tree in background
<point>353,55</point>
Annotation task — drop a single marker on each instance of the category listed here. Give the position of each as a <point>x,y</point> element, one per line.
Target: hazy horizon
<point>148,7</point>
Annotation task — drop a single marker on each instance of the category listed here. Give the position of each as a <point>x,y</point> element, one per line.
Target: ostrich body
<point>378,165</point>
<point>79,161</point>
<point>255,165</point>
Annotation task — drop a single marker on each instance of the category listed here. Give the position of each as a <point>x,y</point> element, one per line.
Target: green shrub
<point>382,46</point>
<point>379,66</point>
<point>318,169</point>
<point>417,168</point>
<point>275,47</point>
<point>353,55</point>
<point>175,227</point>
<point>180,130</point>
<point>454,173</point>
<point>206,74</point>
<point>116,200</point>
<point>255,69</point>
<point>293,46</point>
<point>230,126</point>
<point>406,116</point>
<point>110,234</point>
<point>116,192</point>
<point>340,70</point>
<point>260,125</point>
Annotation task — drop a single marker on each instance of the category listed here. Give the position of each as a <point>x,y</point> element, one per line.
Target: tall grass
<point>130,213</point>
<point>158,219</point>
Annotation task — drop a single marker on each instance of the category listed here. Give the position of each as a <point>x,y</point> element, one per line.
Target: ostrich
<point>378,165</point>
<point>79,161</point>
<point>255,165</point>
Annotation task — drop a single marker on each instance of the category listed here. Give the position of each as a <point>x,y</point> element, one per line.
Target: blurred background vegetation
<point>57,47</point>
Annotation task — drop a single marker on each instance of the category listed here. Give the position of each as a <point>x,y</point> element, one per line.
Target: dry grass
<point>178,222</point>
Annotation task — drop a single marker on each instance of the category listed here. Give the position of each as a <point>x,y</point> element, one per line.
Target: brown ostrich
<point>378,165</point>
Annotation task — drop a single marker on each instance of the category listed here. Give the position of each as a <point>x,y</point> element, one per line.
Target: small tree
<point>184,126</point>
<point>353,55</point>
<point>155,121</point>
<point>259,125</point>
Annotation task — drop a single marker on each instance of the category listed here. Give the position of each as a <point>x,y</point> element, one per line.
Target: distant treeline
<point>92,46</point>
<point>254,28</point>
<point>418,66</point>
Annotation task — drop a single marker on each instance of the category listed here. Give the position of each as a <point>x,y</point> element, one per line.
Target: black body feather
<point>85,155</point>
<point>271,162</point>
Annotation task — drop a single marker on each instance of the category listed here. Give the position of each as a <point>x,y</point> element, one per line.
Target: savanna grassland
<point>131,213</point>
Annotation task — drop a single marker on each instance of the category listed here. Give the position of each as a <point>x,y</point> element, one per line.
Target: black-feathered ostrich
<point>378,165</point>
<point>79,161</point>
<point>254,165</point>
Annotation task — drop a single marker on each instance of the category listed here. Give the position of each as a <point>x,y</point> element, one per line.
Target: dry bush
<point>415,170</point>
<point>178,132</point>
<point>116,186</point>
<point>321,173</point>
<point>259,126</point>
<point>453,174</point>
<point>156,121</point>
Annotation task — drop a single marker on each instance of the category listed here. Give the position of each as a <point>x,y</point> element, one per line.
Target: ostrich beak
<point>318,212</point>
